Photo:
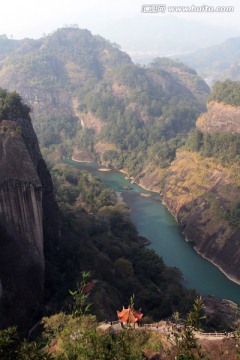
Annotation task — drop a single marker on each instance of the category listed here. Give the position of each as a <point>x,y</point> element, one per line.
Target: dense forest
<point>88,95</point>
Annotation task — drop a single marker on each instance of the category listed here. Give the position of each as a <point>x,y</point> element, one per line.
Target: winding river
<point>154,221</point>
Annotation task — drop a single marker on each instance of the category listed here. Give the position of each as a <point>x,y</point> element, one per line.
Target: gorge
<point>91,102</point>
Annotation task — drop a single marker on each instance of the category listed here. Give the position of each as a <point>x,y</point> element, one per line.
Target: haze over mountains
<point>217,62</point>
<point>146,36</point>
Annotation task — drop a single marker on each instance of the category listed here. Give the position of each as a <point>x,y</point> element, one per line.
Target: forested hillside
<point>90,100</point>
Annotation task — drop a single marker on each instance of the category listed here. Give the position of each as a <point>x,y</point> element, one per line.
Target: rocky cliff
<point>220,118</point>
<point>202,191</point>
<point>28,218</point>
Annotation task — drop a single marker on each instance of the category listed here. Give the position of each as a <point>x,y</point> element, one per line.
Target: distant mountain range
<point>162,35</point>
<point>217,62</point>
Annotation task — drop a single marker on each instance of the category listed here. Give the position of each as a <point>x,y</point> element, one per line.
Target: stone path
<point>165,328</point>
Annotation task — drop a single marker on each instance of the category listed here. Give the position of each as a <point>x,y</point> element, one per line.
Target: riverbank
<point>236,281</point>
<point>154,221</point>
<point>231,278</point>
<point>139,183</point>
<point>144,241</point>
<point>104,169</point>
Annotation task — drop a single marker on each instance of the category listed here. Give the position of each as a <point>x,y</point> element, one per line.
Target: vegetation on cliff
<point>12,106</point>
<point>227,92</point>
<point>224,148</point>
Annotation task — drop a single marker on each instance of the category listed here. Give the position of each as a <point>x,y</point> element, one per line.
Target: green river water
<point>154,221</point>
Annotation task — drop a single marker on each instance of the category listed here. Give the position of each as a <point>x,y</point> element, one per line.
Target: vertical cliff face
<point>21,211</point>
<point>28,217</point>
<point>51,222</point>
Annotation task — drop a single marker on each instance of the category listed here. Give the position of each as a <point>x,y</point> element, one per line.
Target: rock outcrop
<point>28,215</point>
<point>220,118</point>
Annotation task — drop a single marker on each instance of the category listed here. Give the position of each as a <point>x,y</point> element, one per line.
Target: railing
<point>214,334</point>
<point>170,327</point>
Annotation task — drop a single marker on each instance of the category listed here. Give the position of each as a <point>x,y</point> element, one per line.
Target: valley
<point>161,126</point>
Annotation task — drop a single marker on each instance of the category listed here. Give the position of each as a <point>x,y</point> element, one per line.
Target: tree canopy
<point>227,92</point>
<point>12,106</point>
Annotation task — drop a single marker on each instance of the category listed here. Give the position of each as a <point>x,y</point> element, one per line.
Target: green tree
<point>12,107</point>
<point>81,306</point>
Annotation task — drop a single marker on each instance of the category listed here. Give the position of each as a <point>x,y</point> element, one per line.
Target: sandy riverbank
<point>104,169</point>
<point>81,161</point>
<point>123,171</point>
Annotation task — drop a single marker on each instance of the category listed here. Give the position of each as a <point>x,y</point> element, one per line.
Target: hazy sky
<point>33,18</point>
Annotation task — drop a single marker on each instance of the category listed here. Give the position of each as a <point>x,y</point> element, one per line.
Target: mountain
<point>89,100</point>
<point>26,205</point>
<point>154,35</point>
<point>202,184</point>
<point>218,62</point>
